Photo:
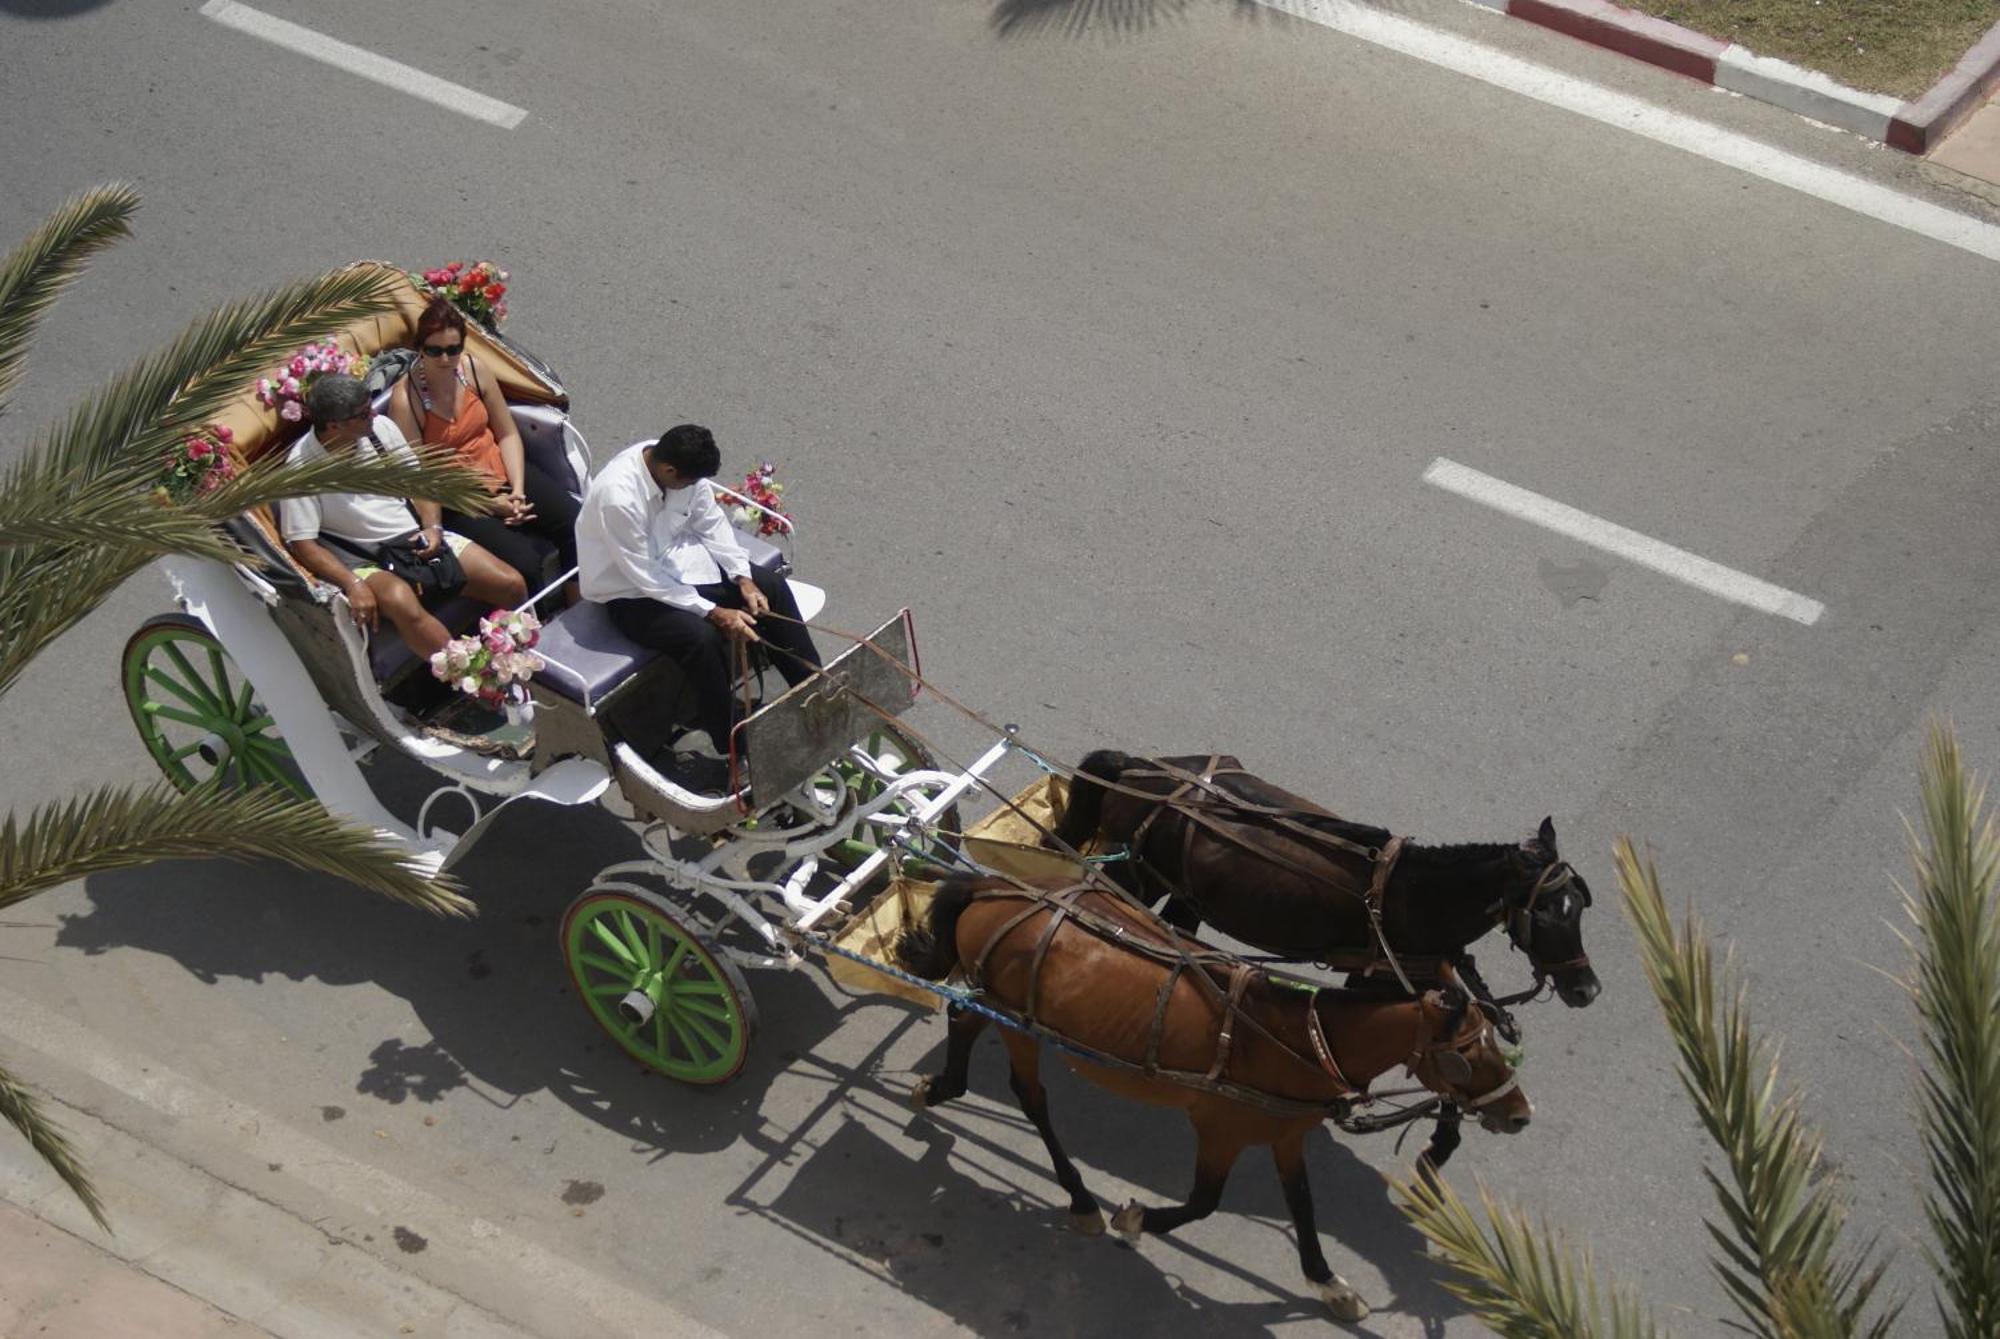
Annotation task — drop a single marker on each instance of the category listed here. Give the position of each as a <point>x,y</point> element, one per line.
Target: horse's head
<point>1544,918</point>
<point>1458,1057</point>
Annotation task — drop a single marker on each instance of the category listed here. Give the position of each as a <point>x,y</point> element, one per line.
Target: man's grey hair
<point>335,397</point>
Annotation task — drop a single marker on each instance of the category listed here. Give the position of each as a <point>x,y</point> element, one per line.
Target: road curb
<point>1914,127</point>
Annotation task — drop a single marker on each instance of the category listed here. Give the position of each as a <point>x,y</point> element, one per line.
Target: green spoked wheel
<point>894,754</point>
<point>656,989</point>
<point>198,715</point>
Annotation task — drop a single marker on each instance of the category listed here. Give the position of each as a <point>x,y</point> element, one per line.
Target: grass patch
<point>1900,47</point>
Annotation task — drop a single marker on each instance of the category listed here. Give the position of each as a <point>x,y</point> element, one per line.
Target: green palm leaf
<point>34,275</point>
<point>1522,1281</point>
<point>49,510</point>
<point>120,432</point>
<point>19,1109</point>
<point>47,589</point>
<point>119,827</point>
<point>1955,983</point>
<point>1779,1235</point>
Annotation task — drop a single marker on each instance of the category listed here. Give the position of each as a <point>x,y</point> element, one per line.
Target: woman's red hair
<point>439,314</point>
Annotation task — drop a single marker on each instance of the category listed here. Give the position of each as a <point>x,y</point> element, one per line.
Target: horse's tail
<point>931,950</point>
<point>1085,809</point>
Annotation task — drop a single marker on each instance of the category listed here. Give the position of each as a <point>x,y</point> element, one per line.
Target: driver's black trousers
<point>705,655</point>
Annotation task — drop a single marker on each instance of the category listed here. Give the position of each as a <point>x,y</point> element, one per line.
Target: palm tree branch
<point>120,827</point>
<point>133,420</point>
<point>47,589</point>
<point>1780,1234</point>
<point>51,510</point>
<point>1954,981</point>
<point>37,271</point>
<point>1521,1280</point>
<point>19,1109</point>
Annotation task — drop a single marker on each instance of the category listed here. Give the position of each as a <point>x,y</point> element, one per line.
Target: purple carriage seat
<point>586,657</point>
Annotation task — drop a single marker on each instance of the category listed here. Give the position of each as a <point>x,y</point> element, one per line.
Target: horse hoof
<point>920,1096</point>
<point>1342,1300</point>
<point>1087,1224</point>
<point>1130,1222</point>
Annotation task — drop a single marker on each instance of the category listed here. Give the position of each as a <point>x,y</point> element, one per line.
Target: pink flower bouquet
<point>761,486</point>
<point>493,665</point>
<point>286,392</point>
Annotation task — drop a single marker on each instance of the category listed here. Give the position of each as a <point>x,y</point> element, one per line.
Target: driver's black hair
<point>690,449</point>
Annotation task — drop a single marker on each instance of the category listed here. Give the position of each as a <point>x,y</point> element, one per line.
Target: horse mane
<point>1441,858</point>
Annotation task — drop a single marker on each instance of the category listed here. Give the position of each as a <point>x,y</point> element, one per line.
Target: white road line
<point>1696,571</point>
<point>1643,118</point>
<point>367,64</point>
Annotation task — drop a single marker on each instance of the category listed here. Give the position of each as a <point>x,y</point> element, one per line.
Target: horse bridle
<point>1423,1051</point>
<point>1519,920</point>
<point>1461,1045</point>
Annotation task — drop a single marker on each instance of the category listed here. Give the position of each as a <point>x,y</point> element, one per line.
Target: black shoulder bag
<point>440,575</point>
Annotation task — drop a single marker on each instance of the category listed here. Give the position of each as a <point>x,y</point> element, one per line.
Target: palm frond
<point>1778,1241</point>
<point>50,510</point>
<point>19,1109</point>
<point>119,827</point>
<point>1955,983</point>
<point>438,476</point>
<point>36,272</point>
<point>47,589</point>
<point>133,420</point>
<point>1522,1281</point>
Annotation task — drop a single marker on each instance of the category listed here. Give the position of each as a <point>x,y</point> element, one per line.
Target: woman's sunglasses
<point>443,350</point>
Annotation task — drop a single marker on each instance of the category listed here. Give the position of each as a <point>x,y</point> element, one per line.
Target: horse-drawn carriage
<point>833,848</point>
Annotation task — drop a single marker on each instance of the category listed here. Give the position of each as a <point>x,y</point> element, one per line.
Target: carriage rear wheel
<point>893,754</point>
<point>198,715</point>
<point>656,988</point>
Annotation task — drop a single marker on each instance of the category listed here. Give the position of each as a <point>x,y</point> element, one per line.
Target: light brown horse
<point>1174,1023</point>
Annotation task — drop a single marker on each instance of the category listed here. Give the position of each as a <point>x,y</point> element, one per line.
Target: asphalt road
<point>1118,353</point>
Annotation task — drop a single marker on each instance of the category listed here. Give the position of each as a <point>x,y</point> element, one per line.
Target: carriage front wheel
<point>669,1000</point>
<point>196,712</point>
<point>889,753</point>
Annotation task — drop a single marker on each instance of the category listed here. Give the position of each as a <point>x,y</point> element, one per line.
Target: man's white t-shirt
<point>356,518</point>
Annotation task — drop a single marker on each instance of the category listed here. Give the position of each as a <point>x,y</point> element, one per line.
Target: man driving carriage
<point>375,534</point>
<point>654,547</point>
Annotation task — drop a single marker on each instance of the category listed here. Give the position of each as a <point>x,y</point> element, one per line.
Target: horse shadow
<point>982,1183</point>
<point>492,991</point>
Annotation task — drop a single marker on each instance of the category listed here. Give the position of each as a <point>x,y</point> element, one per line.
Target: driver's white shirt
<point>634,541</point>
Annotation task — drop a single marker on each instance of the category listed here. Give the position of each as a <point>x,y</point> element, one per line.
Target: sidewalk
<point>55,1286</point>
<point>1973,149</point>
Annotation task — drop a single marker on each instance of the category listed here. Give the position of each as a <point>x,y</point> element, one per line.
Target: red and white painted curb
<point>1915,127</point>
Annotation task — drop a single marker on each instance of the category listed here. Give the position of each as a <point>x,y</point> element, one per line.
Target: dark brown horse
<point>1272,869</point>
<point>1167,1021</point>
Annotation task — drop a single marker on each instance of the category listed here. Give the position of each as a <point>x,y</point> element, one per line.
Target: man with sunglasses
<point>654,547</point>
<point>359,525</point>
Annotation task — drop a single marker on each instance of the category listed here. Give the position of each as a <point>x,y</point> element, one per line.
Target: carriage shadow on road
<point>492,992</point>
<point>958,1225</point>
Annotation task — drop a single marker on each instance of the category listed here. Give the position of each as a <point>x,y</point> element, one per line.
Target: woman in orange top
<point>445,401</point>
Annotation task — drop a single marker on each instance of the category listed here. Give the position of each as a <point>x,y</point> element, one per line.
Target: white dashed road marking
<point>367,64</point>
<point>1630,545</point>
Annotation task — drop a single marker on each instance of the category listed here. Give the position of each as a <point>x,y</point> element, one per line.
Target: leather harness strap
<point>1239,981</point>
